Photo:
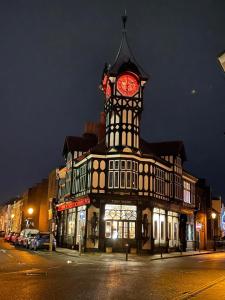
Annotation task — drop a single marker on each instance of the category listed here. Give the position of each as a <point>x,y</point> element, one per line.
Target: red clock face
<point>106,86</point>
<point>127,84</point>
<point>108,90</point>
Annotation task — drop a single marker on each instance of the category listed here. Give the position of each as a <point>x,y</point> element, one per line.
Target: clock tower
<point>123,85</point>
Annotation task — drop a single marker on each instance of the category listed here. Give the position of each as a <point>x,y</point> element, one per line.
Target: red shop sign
<point>72,204</point>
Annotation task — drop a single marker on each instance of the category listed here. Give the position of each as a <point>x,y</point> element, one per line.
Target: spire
<point>125,60</point>
<point>124,20</point>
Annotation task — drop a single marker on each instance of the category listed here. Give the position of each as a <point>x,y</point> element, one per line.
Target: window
<point>170,230</point>
<point>178,187</point>
<point>123,174</point>
<point>190,232</point>
<point>162,230</point>
<point>187,192</point>
<point>175,231</point>
<point>160,181</point>
<point>120,221</point>
<point>155,233</point>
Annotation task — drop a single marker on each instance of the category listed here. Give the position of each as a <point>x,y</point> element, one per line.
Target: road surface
<point>41,275</point>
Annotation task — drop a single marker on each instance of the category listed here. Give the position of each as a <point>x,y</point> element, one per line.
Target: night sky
<point>52,55</point>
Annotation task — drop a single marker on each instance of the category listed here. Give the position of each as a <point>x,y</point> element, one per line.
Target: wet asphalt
<point>26,274</point>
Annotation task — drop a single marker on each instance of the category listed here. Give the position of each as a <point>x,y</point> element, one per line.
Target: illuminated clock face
<point>106,86</point>
<point>108,90</point>
<point>127,84</point>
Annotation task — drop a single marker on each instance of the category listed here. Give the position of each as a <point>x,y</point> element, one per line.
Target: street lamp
<point>30,211</point>
<point>213,215</point>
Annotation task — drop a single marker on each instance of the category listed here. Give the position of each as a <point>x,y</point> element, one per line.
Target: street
<point>26,274</point>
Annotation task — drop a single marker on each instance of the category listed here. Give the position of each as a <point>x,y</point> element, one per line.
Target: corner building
<point>117,188</point>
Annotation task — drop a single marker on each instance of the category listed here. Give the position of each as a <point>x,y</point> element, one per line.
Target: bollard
<point>161,252</point>
<point>126,247</point>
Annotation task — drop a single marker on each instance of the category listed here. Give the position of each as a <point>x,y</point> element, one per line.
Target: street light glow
<point>30,210</point>
<point>213,215</point>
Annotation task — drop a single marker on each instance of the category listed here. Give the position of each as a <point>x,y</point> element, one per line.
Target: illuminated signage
<point>198,226</point>
<point>72,204</point>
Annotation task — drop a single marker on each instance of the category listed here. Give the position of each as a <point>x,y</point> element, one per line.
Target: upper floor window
<point>187,192</point>
<point>160,181</point>
<point>123,174</point>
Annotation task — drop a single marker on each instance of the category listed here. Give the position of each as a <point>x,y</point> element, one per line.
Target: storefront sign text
<point>72,204</point>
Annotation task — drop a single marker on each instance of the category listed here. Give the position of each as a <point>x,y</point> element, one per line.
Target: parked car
<point>14,238</point>
<point>8,236</point>
<point>29,238</point>
<point>42,241</point>
<point>22,239</point>
<point>2,233</point>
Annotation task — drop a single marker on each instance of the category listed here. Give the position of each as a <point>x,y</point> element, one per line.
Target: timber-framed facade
<point>117,188</point>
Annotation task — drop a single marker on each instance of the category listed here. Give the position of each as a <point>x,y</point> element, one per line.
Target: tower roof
<point>125,60</point>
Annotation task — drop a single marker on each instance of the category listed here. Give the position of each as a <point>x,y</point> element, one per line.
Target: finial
<point>124,19</point>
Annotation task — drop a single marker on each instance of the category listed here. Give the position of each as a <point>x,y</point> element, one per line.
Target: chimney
<point>96,128</point>
<point>101,127</point>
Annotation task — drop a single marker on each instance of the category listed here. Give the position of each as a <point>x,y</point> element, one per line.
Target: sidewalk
<point>75,253</point>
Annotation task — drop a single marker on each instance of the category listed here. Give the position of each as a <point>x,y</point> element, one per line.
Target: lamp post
<point>213,215</point>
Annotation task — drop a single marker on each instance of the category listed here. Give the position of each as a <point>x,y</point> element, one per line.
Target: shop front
<point>120,226</point>
<point>72,222</point>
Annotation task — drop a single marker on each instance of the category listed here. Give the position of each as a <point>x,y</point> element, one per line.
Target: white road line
<point>17,272</point>
<point>202,288</point>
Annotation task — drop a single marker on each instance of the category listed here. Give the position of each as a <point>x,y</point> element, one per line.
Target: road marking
<point>23,271</point>
<point>3,250</point>
<point>199,290</point>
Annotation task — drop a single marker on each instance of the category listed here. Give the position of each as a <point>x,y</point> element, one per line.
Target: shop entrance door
<point>120,226</point>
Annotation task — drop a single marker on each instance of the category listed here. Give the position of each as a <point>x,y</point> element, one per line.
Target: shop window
<point>108,229</point>
<point>175,231</point>
<point>132,230</point>
<point>162,230</point>
<point>155,229</point>
<point>170,230</point>
<point>118,221</point>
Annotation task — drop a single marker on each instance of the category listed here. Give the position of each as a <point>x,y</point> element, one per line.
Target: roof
<point>75,143</point>
<point>164,148</point>
<point>125,60</point>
